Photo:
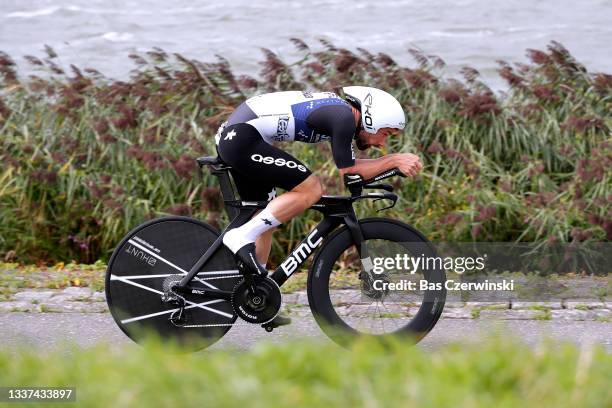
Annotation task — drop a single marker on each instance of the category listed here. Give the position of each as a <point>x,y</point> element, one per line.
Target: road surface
<point>51,330</point>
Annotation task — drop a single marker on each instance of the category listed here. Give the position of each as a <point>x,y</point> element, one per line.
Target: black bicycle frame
<point>337,210</point>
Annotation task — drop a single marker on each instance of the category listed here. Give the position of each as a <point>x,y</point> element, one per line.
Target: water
<point>101,33</point>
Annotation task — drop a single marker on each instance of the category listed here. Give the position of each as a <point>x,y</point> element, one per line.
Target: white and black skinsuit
<point>245,141</point>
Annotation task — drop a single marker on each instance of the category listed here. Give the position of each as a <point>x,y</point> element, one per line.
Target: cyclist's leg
<point>258,164</point>
<point>285,207</point>
<point>296,200</point>
<point>250,190</point>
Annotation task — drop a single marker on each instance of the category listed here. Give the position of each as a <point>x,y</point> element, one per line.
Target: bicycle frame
<point>337,210</point>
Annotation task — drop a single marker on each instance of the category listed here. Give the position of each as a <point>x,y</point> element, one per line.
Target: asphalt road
<point>52,330</point>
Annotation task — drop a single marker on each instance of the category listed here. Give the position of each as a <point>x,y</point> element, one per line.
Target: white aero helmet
<point>379,109</point>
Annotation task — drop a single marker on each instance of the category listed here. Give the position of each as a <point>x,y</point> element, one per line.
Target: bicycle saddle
<point>209,161</point>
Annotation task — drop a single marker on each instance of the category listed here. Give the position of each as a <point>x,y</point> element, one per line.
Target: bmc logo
<point>300,253</point>
<point>367,115</point>
<point>280,162</point>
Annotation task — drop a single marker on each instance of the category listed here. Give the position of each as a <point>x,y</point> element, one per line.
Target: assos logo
<point>367,115</point>
<point>300,253</point>
<point>280,162</point>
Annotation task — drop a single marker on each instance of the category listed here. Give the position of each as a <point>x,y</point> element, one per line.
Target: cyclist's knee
<point>311,188</point>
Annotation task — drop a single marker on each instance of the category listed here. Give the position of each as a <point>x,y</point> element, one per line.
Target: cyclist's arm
<point>338,122</point>
<point>368,168</point>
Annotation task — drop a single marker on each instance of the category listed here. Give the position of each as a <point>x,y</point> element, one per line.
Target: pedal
<point>276,322</point>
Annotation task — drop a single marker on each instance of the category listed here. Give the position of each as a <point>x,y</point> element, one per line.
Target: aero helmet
<point>379,109</point>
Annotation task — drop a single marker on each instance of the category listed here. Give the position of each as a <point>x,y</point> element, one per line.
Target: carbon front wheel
<point>155,255</point>
<point>346,304</point>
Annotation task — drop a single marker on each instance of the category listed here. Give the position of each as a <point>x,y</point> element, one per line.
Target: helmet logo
<point>367,116</point>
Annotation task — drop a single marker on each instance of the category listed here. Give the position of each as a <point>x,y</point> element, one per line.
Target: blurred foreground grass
<point>497,372</point>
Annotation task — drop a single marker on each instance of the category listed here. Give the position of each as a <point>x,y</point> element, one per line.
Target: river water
<point>101,33</point>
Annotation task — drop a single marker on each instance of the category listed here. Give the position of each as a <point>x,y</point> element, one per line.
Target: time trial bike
<point>174,277</point>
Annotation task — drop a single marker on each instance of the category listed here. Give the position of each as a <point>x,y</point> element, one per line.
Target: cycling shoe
<point>247,257</point>
<point>280,320</point>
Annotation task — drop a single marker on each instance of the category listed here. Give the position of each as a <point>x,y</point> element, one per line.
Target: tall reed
<point>85,158</point>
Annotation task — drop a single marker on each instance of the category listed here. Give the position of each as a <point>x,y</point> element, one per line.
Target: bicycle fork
<point>362,249</point>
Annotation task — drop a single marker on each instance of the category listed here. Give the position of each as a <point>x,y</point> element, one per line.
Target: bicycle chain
<point>194,326</point>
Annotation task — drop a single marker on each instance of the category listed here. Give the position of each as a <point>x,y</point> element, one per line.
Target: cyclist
<point>244,142</point>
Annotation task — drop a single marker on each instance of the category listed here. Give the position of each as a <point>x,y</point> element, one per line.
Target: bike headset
<point>379,109</point>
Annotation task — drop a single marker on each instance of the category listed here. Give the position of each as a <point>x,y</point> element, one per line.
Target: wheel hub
<point>367,285</point>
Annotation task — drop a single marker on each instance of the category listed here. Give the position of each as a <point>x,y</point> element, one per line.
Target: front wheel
<point>346,304</point>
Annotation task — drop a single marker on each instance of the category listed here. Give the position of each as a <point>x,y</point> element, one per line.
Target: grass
<point>495,307</point>
<point>46,309</point>
<point>309,374</point>
<point>539,307</point>
<point>583,307</point>
<point>295,283</point>
<point>86,158</point>
<point>15,277</point>
<point>545,315</point>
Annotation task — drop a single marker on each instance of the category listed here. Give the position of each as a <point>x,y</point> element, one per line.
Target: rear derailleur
<point>178,317</point>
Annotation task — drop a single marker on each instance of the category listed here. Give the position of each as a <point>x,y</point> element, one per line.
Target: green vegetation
<point>14,277</point>
<point>47,309</point>
<point>545,315</point>
<point>86,158</point>
<point>302,374</point>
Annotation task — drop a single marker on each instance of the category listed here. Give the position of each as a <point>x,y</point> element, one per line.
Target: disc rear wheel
<point>148,261</point>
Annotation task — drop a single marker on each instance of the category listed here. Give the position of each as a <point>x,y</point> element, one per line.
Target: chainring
<point>259,307</point>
